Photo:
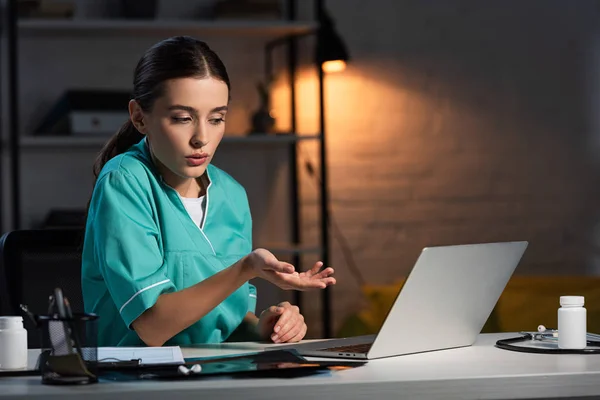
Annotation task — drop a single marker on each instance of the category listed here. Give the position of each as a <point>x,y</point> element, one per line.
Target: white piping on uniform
<point>142,290</point>
<point>206,214</point>
<point>206,237</point>
<point>207,197</point>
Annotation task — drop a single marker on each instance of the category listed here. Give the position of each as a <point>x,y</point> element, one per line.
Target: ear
<point>136,114</point>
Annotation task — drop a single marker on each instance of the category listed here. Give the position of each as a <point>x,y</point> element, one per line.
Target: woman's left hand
<point>282,323</point>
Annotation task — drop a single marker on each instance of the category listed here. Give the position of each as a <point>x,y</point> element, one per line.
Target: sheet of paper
<point>148,355</point>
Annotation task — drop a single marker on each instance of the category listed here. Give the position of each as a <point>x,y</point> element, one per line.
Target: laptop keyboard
<point>355,348</point>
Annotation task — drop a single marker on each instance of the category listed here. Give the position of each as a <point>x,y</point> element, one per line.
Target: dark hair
<point>176,57</point>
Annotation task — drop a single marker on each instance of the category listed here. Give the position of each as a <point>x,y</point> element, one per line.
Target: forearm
<point>247,330</point>
<point>250,319</point>
<point>174,312</point>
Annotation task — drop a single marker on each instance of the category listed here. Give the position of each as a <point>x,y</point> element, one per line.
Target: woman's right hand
<point>265,265</point>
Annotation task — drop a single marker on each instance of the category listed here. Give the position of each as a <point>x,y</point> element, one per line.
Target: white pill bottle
<point>13,343</point>
<point>572,323</point>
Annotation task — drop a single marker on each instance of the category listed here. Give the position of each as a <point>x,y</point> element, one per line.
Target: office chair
<point>32,264</point>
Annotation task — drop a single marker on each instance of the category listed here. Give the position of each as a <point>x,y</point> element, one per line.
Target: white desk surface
<point>481,371</point>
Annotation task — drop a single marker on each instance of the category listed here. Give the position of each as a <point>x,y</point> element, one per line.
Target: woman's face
<point>184,127</point>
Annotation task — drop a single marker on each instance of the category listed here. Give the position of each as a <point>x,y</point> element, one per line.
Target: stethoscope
<point>547,336</point>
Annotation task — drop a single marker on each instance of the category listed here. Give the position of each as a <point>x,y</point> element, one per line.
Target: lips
<point>198,155</point>
<point>197,159</point>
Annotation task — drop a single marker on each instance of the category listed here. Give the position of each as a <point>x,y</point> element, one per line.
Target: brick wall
<point>458,122</point>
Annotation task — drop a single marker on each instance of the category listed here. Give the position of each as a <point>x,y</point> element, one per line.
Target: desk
<point>480,371</point>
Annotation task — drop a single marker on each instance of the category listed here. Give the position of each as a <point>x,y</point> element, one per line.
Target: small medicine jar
<point>572,323</point>
<point>13,343</point>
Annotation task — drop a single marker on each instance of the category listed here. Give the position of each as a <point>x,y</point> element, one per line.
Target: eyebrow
<point>192,110</point>
<point>222,108</point>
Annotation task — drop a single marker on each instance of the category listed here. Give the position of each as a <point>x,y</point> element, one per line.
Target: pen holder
<point>69,349</point>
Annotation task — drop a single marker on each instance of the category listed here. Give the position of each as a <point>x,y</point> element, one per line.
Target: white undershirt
<point>195,208</point>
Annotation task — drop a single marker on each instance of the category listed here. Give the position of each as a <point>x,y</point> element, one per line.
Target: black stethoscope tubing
<point>507,344</point>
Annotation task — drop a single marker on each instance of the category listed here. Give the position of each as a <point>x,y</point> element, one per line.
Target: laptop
<point>444,303</point>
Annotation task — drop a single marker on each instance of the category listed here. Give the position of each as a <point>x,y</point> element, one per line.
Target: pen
<point>29,314</point>
<point>50,305</point>
<point>60,303</point>
<point>62,314</point>
<point>72,326</point>
<point>68,311</point>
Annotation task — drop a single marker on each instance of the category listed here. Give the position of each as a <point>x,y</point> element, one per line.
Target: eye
<point>216,121</point>
<point>181,120</point>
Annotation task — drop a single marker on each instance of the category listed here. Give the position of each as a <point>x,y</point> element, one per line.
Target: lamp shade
<point>332,53</point>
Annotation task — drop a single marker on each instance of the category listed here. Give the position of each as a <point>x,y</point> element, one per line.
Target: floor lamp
<point>331,55</point>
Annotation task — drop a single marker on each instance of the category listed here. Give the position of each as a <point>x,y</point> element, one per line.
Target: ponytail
<point>119,143</point>
<point>126,137</point>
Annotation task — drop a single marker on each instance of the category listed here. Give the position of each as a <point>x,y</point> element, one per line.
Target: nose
<point>200,138</point>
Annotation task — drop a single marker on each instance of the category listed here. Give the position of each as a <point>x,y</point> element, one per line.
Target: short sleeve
<point>127,245</point>
<point>252,298</point>
<point>247,225</point>
<point>247,232</point>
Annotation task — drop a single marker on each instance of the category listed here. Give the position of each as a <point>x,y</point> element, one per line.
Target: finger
<point>293,328</point>
<point>271,312</point>
<point>312,284</point>
<point>299,336</point>
<point>329,281</point>
<point>318,283</point>
<point>290,281</point>
<point>280,266</point>
<point>285,304</point>
<point>282,321</point>
<point>316,268</point>
<point>268,319</point>
<point>303,284</point>
<point>289,329</point>
<point>324,274</point>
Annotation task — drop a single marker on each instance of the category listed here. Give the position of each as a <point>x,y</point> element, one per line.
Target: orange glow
<point>354,89</point>
<point>307,106</point>
<point>334,66</point>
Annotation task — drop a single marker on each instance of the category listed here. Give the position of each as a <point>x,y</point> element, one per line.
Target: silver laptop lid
<point>447,298</point>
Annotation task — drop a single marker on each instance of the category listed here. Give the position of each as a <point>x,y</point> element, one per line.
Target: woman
<point>168,247</point>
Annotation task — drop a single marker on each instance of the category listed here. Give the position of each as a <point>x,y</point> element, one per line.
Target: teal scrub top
<point>140,242</point>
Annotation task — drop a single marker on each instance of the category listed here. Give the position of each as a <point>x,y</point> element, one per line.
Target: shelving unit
<point>267,30</point>
<point>237,28</point>
<point>98,141</point>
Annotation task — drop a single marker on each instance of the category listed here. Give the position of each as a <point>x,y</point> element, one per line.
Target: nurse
<point>168,245</point>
